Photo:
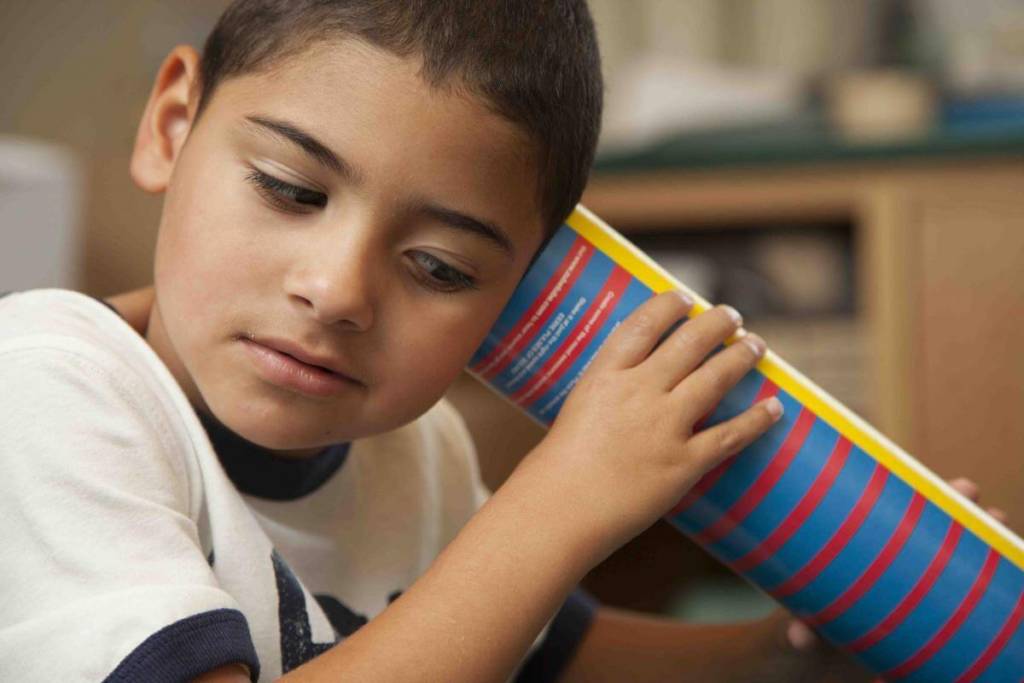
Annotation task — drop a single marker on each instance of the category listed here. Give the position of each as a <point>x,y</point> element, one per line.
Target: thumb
<point>804,640</point>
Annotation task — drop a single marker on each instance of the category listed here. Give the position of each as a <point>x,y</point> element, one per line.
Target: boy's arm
<point>481,602</point>
<point>620,454</point>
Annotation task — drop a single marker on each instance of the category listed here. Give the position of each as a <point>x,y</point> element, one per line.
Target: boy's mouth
<point>287,363</point>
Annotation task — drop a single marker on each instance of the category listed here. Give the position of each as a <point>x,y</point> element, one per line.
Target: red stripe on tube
<point>996,646</point>
<point>850,525</point>
<point>577,340</point>
<point>767,390</point>
<point>916,594</point>
<point>877,567</point>
<point>802,511</point>
<point>768,478</point>
<point>928,650</point>
<point>546,303</point>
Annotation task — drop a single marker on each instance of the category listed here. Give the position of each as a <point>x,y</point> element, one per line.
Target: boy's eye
<point>439,276</point>
<point>286,196</point>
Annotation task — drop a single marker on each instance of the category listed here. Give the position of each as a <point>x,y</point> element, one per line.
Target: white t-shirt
<point>142,543</point>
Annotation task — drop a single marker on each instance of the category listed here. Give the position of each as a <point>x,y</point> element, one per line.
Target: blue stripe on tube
<point>527,291</point>
<point>547,340</point>
<point>938,605</point>
<point>814,534</point>
<point>548,404</point>
<point>784,496</point>
<point>897,581</point>
<point>864,547</point>
<point>980,628</point>
<point>745,468</point>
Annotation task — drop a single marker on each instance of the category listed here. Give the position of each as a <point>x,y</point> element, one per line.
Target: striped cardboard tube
<point>822,513</point>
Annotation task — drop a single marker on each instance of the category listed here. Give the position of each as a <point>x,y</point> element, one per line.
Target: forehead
<point>402,135</point>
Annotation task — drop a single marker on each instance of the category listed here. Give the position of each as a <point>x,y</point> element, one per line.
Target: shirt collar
<point>258,471</point>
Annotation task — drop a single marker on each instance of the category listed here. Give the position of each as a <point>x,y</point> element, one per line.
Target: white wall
<point>40,216</point>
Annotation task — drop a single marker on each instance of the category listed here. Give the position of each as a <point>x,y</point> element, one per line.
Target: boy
<point>352,190</point>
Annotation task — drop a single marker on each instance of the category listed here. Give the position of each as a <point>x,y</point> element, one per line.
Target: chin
<point>295,424</point>
<point>269,426</point>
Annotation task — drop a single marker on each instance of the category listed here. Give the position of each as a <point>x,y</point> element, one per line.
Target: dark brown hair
<point>535,62</point>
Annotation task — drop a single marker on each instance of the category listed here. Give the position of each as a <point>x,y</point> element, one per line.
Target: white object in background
<point>983,43</point>
<point>39,215</point>
<point>654,96</point>
<point>881,105</point>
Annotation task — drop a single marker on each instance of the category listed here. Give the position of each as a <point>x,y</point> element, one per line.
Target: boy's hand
<point>823,658</point>
<point>623,450</point>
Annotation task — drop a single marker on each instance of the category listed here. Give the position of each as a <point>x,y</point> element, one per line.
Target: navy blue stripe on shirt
<point>564,635</point>
<point>109,305</point>
<point>258,471</point>
<point>189,648</point>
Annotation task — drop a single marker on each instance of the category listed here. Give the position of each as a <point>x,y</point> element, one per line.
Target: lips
<point>319,361</point>
<point>288,365</point>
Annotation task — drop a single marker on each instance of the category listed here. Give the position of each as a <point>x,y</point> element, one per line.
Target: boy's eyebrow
<point>325,157</point>
<point>309,144</point>
<point>460,221</point>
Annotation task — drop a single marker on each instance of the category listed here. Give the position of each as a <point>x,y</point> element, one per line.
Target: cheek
<point>206,245</point>
<point>438,359</point>
<point>434,349</point>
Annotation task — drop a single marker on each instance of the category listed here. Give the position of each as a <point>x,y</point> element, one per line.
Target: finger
<point>688,346</point>
<point>999,515</point>
<point>712,446</point>
<point>967,487</point>
<point>633,340</point>
<point>800,636</point>
<point>704,389</point>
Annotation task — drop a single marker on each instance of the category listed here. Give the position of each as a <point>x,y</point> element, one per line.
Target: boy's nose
<point>336,292</point>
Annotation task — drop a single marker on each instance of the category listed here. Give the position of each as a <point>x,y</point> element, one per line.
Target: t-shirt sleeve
<point>558,641</point>
<point>102,575</point>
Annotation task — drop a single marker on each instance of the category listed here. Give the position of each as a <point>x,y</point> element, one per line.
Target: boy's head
<point>365,181</point>
<point>534,62</point>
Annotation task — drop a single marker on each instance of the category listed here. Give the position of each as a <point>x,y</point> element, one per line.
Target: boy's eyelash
<point>434,273</point>
<point>441,277</point>
<point>283,195</point>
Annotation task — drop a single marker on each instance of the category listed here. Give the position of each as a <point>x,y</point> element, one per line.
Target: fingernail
<point>734,314</point>
<point>774,407</point>
<point>755,343</point>
<point>687,299</point>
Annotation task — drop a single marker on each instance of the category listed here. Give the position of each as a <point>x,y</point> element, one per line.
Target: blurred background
<point>847,173</point>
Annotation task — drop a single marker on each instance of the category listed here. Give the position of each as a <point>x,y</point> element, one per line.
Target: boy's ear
<point>167,120</point>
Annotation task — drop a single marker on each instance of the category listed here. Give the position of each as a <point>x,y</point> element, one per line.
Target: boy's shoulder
<point>63,348</point>
<point>61,326</point>
<point>38,314</point>
<point>77,377</point>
